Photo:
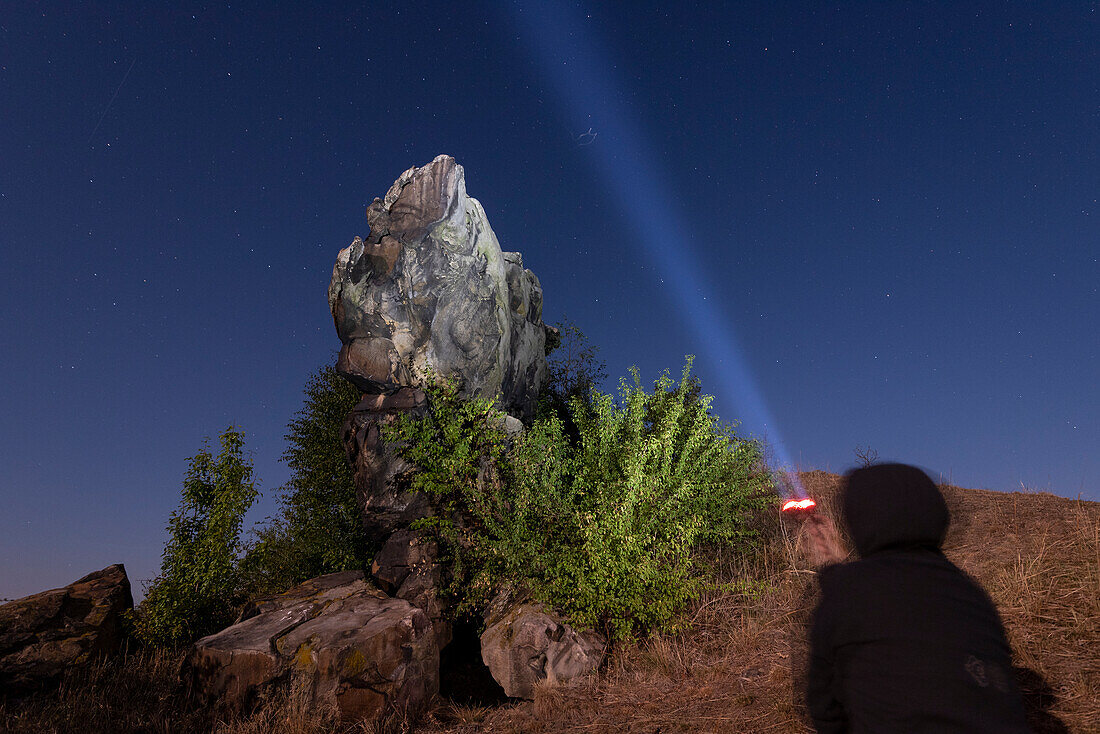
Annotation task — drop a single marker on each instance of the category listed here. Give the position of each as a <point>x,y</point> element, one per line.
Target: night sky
<point>875,224</point>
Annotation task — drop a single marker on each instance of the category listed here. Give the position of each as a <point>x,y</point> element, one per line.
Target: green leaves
<point>197,584</point>
<point>598,519</point>
<point>318,529</point>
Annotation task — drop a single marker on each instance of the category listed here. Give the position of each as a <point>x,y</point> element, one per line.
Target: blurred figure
<point>902,640</point>
<point>821,542</point>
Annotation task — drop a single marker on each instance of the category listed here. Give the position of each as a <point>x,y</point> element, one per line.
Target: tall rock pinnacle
<point>429,287</point>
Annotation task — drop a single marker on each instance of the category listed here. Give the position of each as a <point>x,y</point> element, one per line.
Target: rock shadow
<point>463,677</point>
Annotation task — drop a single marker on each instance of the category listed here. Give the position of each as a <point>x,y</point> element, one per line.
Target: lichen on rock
<point>368,654</point>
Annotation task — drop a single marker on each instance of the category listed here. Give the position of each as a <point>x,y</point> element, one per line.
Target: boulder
<point>430,287</point>
<point>367,653</point>
<point>525,644</point>
<point>319,590</point>
<point>43,634</point>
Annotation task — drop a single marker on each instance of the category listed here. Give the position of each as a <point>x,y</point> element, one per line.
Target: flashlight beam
<point>583,82</point>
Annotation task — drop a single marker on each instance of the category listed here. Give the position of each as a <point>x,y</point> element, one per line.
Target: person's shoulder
<point>887,568</point>
<point>850,576</point>
<point>841,576</point>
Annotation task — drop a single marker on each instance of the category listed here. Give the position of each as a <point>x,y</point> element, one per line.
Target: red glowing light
<point>806,504</point>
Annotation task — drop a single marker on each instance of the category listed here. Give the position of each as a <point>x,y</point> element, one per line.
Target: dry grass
<point>734,666</point>
<point>141,693</point>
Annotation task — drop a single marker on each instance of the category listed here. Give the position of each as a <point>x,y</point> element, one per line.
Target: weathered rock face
<point>385,504</point>
<point>408,567</point>
<point>405,554</point>
<point>368,654</point>
<point>43,634</point>
<point>430,287</point>
<point>525,643</point>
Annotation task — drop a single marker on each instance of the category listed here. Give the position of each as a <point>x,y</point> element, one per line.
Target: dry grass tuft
<point>734,666</point>
<point>140,692</point>
<point>133,693</point>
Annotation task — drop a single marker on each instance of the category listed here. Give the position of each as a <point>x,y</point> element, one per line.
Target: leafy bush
<point>194,593</point>
<point>574,370</point>
<point>600,526</point>
<point>318,529</point>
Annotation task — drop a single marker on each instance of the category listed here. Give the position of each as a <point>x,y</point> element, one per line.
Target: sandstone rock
<point>525,643</point>
<point>318,590</point>
<point>403,554</point>
<point>407,566</point>
<point>386,505</point>
<point>422,589</point>
<point>430,286</point>
<point>43,634</point>
<point>368,654</point>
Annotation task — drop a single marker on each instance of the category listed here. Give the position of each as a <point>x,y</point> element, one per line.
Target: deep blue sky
<point>877,222</point>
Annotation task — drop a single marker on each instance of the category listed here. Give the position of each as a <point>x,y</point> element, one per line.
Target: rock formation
<point>525,644</point>
<point>43,634</point>
<point>357,648</point>
<point>429,287</point>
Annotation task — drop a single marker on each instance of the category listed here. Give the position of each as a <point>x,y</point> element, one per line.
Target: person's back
<point>903,641</point>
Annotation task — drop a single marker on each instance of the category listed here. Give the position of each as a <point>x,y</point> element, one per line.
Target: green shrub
<point>318,529</point>
<point>573,371</point>
<point>600,526</point>
<point>457,443</point>
<point>195,591</point>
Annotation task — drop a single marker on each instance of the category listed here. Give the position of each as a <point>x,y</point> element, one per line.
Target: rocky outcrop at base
<point>44,634</point>
<point>526,644</point>
<point>370,655</point>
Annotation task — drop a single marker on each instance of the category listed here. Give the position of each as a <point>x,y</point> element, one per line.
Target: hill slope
<point>735,667</point>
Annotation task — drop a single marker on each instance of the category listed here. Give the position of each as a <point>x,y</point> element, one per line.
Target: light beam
<point>583,81</point>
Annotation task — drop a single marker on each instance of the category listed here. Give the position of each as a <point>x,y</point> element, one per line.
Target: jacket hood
<point>893,506</point>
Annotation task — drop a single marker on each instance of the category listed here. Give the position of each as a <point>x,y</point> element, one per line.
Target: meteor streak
<point>112,100</point>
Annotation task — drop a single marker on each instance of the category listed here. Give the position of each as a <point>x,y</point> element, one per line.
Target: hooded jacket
<point>902,640</point>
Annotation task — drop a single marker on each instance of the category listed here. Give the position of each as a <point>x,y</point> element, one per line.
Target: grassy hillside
<point>734,665</point>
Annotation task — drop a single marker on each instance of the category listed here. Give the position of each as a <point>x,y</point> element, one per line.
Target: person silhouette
<point>902,640</point>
